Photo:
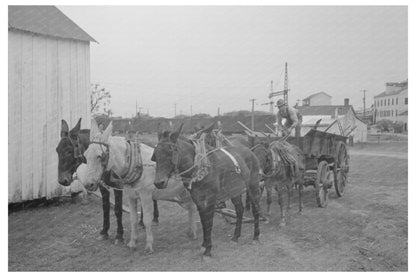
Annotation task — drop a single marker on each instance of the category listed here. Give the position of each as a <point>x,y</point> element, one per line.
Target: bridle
<point>78,156</point>
<point>105,153</point>
<point>175,161</point>
<point>275,169</point>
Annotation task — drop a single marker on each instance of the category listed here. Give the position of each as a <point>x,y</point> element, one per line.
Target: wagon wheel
<point>324,180</point>
<point>341,168</point>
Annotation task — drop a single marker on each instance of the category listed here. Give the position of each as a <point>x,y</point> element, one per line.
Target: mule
<point>224,178</point>
<point>70,151</point>
<point>278,175</point>
<point>275,175</point>
<point>108,153</point>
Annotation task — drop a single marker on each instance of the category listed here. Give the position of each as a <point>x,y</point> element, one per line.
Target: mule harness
<point>133,159</point>
<point>201,161</point>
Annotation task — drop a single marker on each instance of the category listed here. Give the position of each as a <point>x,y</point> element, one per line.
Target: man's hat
<point>280,103</point>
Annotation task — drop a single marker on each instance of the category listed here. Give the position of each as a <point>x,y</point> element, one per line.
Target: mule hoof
<point>118,241</point>
<point>207,259</point>
<point>155,223</point>
<point>234,240</point>
<point>191,235</point>
<point>132,246</point>
<point>102,237</point>
<point>148,251</point>
<point>282,224</point>
<point>255,241</point>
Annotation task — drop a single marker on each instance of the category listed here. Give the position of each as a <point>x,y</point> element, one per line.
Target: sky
<point>210,57</point>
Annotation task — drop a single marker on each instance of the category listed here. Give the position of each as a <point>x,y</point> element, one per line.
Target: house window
<point>388,102</point>
<point>405,101</point>
<point>397,100</point>
<point>385,102</point>
<point>396,112</point>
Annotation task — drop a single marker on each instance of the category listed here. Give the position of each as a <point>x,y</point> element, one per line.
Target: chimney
<point>346,102</point>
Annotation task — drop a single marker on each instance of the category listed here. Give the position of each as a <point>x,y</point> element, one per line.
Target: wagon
<point>326,162</point>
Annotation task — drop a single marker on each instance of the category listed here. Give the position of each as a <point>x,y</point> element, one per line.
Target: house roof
<point>315,94</point>
<point>385,93</point>
<point>45,20</point>
<point>323,110</point>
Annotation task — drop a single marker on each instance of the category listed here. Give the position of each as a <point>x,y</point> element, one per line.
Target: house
<point>49,80</point>
<point>392,104</point>
<point>317,99</point>
<point>330,115</point>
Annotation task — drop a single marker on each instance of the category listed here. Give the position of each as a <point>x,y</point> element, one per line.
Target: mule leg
<point>282,210</point>
<point>141,224</point>
<point>289,187</point>
<point>133,222</point>
<point>238,205</point>
<point>106,213</point>
<point>209,219</point>
<point>247,207</point>
<point>269,190</point>
<point>147,206</point>
<point>300,191</point>
<point>192,229</point>
<point>155,213</point>
<point>255,205</point>
<point>118,210</point>
<point>206,214</point>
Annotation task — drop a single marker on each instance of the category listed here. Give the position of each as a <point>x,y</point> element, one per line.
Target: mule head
<point>167,156</point>
<point>97,157</point>
<point>69,152</point>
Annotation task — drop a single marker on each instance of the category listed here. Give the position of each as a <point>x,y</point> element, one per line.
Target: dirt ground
<point>366,230</point>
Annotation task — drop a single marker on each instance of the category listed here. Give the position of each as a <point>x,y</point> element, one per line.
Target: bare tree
<point>99,98</point>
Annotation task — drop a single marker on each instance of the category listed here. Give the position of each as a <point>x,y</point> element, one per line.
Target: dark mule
<point>280,175</point>
<point>70,151</point>
<point>226,176</point>
<point>275,174</point>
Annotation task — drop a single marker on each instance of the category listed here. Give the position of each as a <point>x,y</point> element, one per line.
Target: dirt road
<point>366,230</point>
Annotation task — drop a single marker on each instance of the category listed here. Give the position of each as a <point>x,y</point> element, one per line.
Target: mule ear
<point>107,133</point>
<point>64,129</point>
<point>175,135</point>
<point>94,130</point>
<point>76,129</point>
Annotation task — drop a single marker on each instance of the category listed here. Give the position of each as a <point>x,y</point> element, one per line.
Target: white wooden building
<point>49,80</point>
<point>328,114</point>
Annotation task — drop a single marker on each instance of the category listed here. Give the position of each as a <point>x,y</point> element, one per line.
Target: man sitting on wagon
<point>292,116</point>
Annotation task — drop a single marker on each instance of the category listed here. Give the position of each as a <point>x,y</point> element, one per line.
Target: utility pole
<point>252,113</point>
<point>218,118</point>
<point>175,108</point>
<point>286,87</point>
<point>191,110</point>
<point>364,103</point>
<point>271,100</point>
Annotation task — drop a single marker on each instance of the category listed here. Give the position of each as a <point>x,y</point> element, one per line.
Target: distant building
<point>48,80</point>
<point>392,104</point>
<point>329,114</point>
<point>317,99</point>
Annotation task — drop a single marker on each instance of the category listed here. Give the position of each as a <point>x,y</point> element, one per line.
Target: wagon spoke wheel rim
<point>341,169</point>
<point>324,180</point>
